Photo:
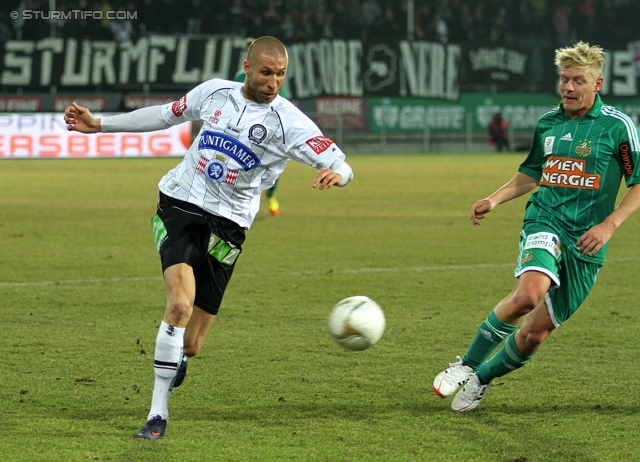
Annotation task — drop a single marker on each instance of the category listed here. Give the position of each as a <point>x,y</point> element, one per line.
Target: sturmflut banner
<point>165,63</point>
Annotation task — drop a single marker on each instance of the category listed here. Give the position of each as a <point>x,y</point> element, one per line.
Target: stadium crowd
<point>526,22</point>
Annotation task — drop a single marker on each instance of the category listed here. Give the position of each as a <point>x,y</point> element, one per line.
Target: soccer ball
<point>356,323</point>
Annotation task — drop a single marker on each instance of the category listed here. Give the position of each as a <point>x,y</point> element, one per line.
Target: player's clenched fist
<point>80,119</point>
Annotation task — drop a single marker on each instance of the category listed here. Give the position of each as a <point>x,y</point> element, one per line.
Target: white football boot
<point>448,381</point>
<point>469,397</point>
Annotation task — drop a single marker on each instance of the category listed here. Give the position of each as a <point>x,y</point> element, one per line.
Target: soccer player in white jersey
<point>581,151</point>
<point>207,202</point>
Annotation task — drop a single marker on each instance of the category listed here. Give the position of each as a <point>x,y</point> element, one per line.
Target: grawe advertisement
<point>46,136</point>
<point>522,111</point>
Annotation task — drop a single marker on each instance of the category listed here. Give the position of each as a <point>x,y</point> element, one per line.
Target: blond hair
<point>580,55</point>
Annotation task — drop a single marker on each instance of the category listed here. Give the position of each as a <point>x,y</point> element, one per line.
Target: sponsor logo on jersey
<point>584,148</point>
<point>179,106</point>
<point>546,241</point>
<point>548,145</point>
<point>216,117</point>
<point>233,129</point>
<point>319,144</point>
<point>229,146</point>
<point>567,137</point>
<point>216,171</point>
<point>626,158</point>
<point>568,173</point>
<point>257,133</point>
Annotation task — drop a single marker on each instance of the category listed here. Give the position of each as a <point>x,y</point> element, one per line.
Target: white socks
<point>169,343</point>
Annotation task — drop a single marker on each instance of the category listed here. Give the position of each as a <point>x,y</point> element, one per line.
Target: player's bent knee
<point>532,339</point>
<point>525,301</point>
<point>192,346</point>
<point>177,310</point>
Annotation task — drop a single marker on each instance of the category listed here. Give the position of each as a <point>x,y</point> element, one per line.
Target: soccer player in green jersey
<point>580,153</point>
<point>272,202</point>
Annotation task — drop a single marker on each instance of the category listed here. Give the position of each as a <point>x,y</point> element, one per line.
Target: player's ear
<point>246,66</point>
<point>599,83</point>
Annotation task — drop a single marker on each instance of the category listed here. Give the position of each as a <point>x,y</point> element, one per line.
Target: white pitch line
<point>298,273</point>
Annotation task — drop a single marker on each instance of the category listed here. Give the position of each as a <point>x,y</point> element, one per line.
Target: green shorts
<point>572,278</point>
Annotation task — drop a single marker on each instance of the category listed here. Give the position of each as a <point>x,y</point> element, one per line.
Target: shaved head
<point>265,68</point>
<point>268,46</point>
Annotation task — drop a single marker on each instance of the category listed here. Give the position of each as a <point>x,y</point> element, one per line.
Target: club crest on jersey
<point>584,148</point>
<point>526,257</point>
<point>230,147</point>
<point>257,133</point>
<point>216,171</point>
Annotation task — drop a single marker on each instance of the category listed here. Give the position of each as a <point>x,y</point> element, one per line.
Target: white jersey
<point>241,149</point>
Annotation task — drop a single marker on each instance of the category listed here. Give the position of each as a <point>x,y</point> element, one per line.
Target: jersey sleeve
<point>532,165</point>
<point>629,152</point>
<point>309,146</point>
<point>190,105</point>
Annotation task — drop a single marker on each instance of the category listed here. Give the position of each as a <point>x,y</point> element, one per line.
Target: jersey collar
<point>593,112</point>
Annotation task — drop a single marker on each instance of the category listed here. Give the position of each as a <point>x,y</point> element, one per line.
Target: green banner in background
<point>522,111</point>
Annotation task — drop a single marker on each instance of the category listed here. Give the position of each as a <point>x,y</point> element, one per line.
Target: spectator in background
<point>463,26</point>
<point>499,32</point>
<point>370,11</point>
<point>287,28</point>
<point>122,27</point>
<point>35,28</point>
<point>390,23</point>
<point>236,21</point>
<point>441,29</point>
<point>561,24</point>
<point>194,16</point>
<point>587,21</point>
<point>339,24</point>
<point>499,132</point>
<point>271,18</point>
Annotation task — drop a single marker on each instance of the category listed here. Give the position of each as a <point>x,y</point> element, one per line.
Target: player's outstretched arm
<point>80,119</point>
<point>520,184</point>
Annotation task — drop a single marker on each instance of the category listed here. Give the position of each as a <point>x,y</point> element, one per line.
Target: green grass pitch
<point>81,297</point>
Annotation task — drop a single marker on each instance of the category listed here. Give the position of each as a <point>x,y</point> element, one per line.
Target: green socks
<point>490,334</point>
<point>507,359</point>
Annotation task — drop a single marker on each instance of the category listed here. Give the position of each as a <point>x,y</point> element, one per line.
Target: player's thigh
<point>540,251</point>
<point>180,284</point>
<point>578,278</point>
<point>212,278</point>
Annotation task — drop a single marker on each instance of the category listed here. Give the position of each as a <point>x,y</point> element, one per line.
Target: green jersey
<point>579,164</point>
